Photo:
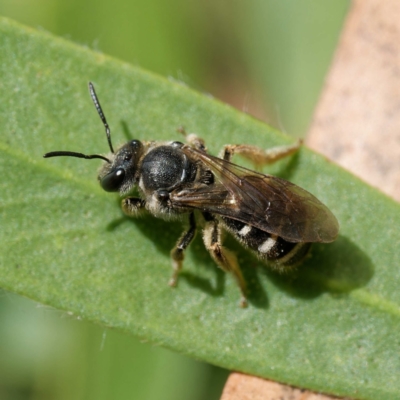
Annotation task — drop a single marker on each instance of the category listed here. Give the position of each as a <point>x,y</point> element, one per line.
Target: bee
<point>274,218</point>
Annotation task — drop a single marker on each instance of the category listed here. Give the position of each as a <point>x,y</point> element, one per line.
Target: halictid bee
<point>274,218</point>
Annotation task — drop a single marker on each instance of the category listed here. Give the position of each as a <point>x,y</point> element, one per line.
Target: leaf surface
<point>330,326</point>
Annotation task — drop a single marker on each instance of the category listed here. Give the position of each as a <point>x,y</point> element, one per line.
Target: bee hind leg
<point>259,156</point>
<point>177,253</point>
<point>223,257</point>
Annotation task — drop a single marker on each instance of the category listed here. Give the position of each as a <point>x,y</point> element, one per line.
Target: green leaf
<point>331,326</point>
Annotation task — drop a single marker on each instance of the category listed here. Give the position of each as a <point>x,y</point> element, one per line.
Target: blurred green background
<point>265,57</point>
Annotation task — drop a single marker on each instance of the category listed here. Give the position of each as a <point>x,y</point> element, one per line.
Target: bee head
<point>119,172</point>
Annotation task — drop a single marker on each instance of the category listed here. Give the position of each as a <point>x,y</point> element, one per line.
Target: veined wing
<point>263,201</point>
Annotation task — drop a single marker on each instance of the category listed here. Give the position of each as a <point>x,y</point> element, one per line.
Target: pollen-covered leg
<point>132,206</point>
<point>223,257</point>
<point>177,253</point>
<point>259,156</point>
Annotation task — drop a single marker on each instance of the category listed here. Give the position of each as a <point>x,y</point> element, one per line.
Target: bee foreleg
<point>177,253</point>
<point>259,156</point>
<point>132,206</point>
<point>223,257</point>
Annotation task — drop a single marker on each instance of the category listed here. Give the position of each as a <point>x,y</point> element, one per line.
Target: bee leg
<point>177,253</point>
<point>259,156</point>
<point>192,139</point>
<point>223,257</point>
<point>132,206</point>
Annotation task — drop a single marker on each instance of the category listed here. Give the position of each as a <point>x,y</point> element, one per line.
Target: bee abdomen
<point>278,252</point>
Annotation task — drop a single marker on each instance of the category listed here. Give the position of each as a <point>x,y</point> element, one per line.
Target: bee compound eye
<point>113,180</point>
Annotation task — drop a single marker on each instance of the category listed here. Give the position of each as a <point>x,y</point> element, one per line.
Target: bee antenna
<point>96,103</point>
<point>73,154</point>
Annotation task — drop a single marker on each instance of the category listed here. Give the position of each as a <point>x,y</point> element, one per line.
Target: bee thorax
<point>165,167</point>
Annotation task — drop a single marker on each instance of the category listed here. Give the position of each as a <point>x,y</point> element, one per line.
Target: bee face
<point>121,173</point>
<point>272,217</point>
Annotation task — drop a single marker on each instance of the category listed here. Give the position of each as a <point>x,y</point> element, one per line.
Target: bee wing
<point>263,201</point>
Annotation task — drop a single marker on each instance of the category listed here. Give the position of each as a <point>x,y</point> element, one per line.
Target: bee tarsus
<point>177,253</point>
